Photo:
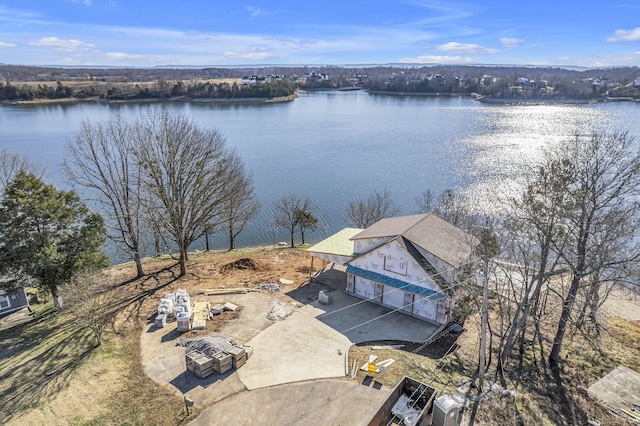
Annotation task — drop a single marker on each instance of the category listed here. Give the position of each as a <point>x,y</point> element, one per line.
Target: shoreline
<point>418,94</point>
<point>153,100</point>
<point>524,101</point>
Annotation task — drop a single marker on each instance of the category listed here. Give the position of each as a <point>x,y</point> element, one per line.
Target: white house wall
<point>334,258</point>
<point>392,260</point>
<point>446,271</point>
<point>364,288</point>
<point>393,297</point>
<point>364,245</point>
<point>392,257</point>
<point>425,307</point>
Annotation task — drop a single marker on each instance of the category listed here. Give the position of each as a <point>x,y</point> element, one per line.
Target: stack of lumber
<point>199,364</point>
<point>222,362</point>
<point>248,349</point>
<point>223,291</point>
<point>238,356</point>
<point>201,313</point>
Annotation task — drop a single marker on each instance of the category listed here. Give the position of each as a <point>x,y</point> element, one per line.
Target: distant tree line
<point>162,90</point>
<point>25,92</point>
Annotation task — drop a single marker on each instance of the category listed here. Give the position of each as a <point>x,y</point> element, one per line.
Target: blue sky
<point>208,32</point>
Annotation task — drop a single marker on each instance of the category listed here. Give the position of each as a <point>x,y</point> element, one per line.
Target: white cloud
<point>65,45</point>
<point>511,42</point>
<point>621,59</point>
<point>436,59</point>
<point>4,44</point>
<point>120,56</point>
<point>85,2</point>
<point>625,35</point>
<point>255,11</point>
<point>253,54</point>
<point>466,48</point>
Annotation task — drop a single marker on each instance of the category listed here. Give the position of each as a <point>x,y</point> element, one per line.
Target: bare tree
<point>451,207</point>
<point>186,171</point>
<point>11,163</point>
<point>89,299</point>
<point>99,159</point>
<point>240,206</point>
<point>533,228</point>
<point>289,210</point>
<point>377,206</point>
<point>603,215</point>
<point>426,201</point>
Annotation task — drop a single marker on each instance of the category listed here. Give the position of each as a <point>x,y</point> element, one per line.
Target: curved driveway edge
<point>296,349</point>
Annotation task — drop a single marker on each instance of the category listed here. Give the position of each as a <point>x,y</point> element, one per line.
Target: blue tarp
<point>393,282</point>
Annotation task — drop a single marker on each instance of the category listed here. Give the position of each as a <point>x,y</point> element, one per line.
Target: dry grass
<point>542,398</point>
<point>52,373</point>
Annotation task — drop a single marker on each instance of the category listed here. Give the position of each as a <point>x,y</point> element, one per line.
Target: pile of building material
<point>208,345</point>
<point>325,297</point>
<point>222,362</point>
<point>184,321</point>
<point>214,354</point>
<point>278,312</point>
<point>199,364</point>
<point>201,313</point>
<point>371,366</point>
<point>224,291</point>
<point>238,356</point>
<point>183,302</point>
<point>165,309</point>
<point>270,287</point>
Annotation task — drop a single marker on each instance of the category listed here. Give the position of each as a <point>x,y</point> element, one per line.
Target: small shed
<point>13,301</point>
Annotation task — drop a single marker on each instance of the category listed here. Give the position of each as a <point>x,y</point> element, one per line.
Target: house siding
<point>15,300</point>
<point>364,245</point>
<point>392,260</point>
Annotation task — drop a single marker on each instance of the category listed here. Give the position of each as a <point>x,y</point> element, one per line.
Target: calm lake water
<point>334,147</point>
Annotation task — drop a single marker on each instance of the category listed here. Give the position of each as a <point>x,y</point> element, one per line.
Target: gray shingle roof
<point>428,231</point>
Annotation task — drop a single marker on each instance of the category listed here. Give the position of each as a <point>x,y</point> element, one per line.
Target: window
<point>393,264</point>
<point>4,301</point>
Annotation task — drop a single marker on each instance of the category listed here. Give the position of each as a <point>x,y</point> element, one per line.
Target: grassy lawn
<point>52,371</point>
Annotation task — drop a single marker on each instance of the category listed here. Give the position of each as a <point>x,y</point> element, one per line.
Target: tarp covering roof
<point>339,243</point>
<point>393,282</point>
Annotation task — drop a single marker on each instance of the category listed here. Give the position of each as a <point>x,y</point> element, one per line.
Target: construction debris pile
<point>208,345</point>
<point>244,264</point>
<point>404,409</point>
<point>270,287</point>
<point>214,354</point>
<point>278,312</point>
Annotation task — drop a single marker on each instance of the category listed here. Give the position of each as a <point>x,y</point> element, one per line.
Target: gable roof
<point>429,232</point>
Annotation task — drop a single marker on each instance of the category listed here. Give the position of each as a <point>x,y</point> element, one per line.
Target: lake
<point>334,147</point>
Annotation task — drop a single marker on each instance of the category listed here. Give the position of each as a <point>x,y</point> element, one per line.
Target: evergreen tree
<point>46,235</point>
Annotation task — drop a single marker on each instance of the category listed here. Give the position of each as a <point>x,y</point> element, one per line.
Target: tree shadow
<point>41,378</point>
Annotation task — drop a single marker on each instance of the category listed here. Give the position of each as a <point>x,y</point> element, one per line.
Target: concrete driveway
<point>362,321</point>
<point>314,341</point>
<point>295,349</point>
<point>318,403</point>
